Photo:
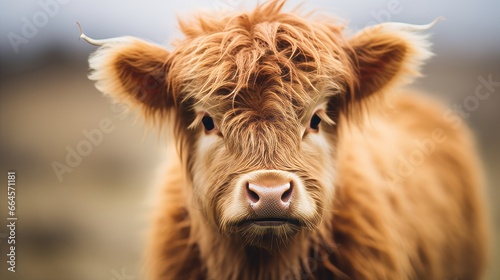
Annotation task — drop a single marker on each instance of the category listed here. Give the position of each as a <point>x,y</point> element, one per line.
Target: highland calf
<point>300,155</point>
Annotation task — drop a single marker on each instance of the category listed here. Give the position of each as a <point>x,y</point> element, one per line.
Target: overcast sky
<point>29,28</point>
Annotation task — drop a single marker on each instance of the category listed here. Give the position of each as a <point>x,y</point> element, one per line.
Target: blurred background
<point>91,222</point>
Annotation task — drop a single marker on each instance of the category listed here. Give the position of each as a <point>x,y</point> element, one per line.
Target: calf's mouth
<point>270,222</point>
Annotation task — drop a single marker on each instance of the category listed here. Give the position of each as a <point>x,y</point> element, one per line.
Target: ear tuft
<point>388,55</point>
<point>134,72</point>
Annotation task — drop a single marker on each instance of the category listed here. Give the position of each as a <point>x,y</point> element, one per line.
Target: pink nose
<point>269,200</point>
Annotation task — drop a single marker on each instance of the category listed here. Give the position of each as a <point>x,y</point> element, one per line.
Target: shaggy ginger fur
<point>388,182</point>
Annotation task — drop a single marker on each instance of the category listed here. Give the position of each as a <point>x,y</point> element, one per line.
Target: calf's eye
<point>314,123</point>
<point>208,123</point>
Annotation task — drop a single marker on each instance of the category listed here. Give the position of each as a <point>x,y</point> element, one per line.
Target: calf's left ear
<point>388,55</point>
<point>132,71</point>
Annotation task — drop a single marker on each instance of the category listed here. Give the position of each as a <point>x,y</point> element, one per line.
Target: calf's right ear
<point>134,72</point>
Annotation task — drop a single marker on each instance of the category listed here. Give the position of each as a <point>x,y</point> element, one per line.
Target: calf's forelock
<point>263,50</point>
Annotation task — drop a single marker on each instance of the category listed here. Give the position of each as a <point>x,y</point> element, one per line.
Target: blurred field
<point>94,222</point>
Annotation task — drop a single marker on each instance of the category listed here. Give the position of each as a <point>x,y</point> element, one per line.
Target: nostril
<point>287,195</point>
<point>252,196</point>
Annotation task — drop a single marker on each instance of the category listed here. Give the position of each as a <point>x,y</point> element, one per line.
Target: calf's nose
<point>269,199</point>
